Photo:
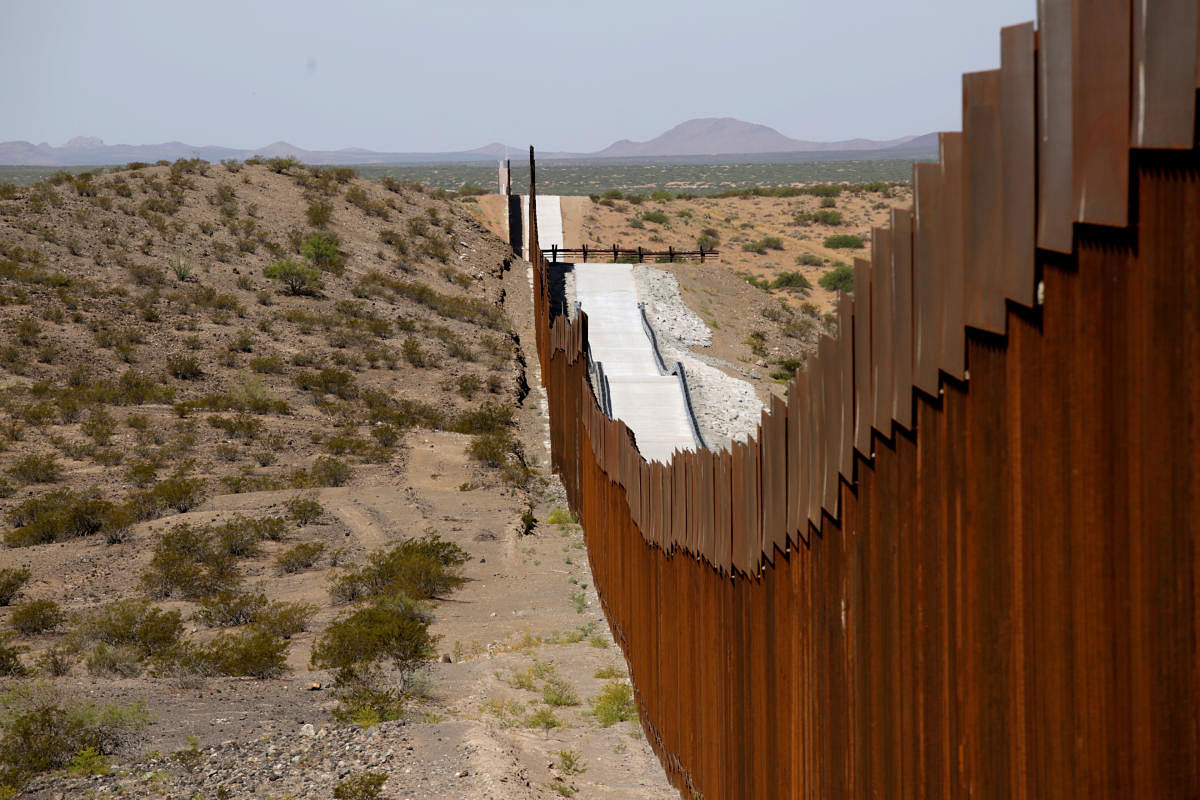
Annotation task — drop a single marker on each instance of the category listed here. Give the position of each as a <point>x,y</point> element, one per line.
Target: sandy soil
<point>104,262</point>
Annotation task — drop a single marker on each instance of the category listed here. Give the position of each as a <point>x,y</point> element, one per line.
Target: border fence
<point>961,559</point>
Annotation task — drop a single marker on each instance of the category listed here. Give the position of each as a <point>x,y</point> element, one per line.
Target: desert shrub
<point>36,616</point>
<point>330,471</point>
<point>828,217</point>
<point>300,557</point>
<point>324,250</point>
<point>304,509</point>
<point>43,730</point>
<point>297,278</point>
<point>421,568</point>
<point>269,365</point>
<point>285,619</point>
<point>465,309</point>
<point>283,164</point>
<point>106,660</point>
<point>792,282</point>
<point>99,425</point>
<point>184,367</point>
<point>142,474</point>
<point>11,665</point>
<point>838,279</point>
<point>363,786</point>
<point>557,692</point>
<point>254,654</point>
<point>178,493</point>
<point>809,260</point>
<point>614,704</point>
<point>844,241</point>
<point>562,516</point>
<point>763,245</point>
<point>391,628</point>
<point>189,561</point>
<point>12,580</point>
<point>415,354</point>
<point>132,623</point>
<point>338,382</point>
<point>435,247</point>
<point>58,516</point>
<point>657,217</point>
<point>487,418</point>
<point>491,448</point>
<point>319,213</point>
<point>230,609</point>
<point>36,468</point>
<point>358,197</point>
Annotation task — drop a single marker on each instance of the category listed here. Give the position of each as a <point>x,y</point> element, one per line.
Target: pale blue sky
<point>455,74</point>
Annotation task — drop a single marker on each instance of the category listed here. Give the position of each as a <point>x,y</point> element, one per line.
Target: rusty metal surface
<point>864,391</point>
<point>1164,97</point>
<point>1100,102</point>
<point>1000,602</point>
<point>983,217</point>
<point>1017,133</point>
<point>882,345</point>
<point>902,317</point>
<point>927,275</point>
<point>1055,132</point>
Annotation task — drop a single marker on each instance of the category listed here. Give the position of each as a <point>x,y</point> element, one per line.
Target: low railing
<point>619,255</point>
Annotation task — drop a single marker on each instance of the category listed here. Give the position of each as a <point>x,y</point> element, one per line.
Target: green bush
<point>330,471</point>
<point>657,217</point>
<point>391,628</point>
<point>300,557</point>
<point>58,516</point>
<point>36,468</point>
<point>178,493</point>
<point>190,562</point>
<point>297,278</point>
<point>36,616</point>
<point>255,654</point>
<point>319,213</point>
<point>614,704</point>
<point>43,730</point>
<point>285,619</point>
<point>231,609</point>
<point>132,623</point>
<point>184,367</point>
<point>809,260</point>
<point>421,568</point>
<point>792,282</point>
<point>838,279</point>
<point>828,217</point>
<point>12,579</point>
<point>844,241</point>
<point>324,251</point>
<point>363,786</point>
<point>493,448</point>
<point>305,509</point>
<point>763,245</point>
<point>10,658</point>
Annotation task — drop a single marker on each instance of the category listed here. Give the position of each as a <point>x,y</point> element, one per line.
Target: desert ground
<point>197,460</point>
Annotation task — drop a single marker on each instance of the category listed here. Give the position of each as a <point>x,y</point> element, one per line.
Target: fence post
<point>670,255</point>
<point>639,254</point>
<point>554,253</point>
<point>614,254</point>
<point>585,252</point>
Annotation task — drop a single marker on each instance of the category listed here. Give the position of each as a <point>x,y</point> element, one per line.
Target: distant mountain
<point>89,150</point>
<point>691,140</point>
<point>717,135</point>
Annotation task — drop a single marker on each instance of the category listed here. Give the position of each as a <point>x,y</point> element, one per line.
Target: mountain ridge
<point>696,137</point>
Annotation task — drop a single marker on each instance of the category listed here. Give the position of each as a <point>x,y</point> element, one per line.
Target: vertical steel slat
<point>1055,127</point>
<point>902,317</point>
<point>882,346</point>
<point>1100,100</point>
<point>816,450</point>
<point>927,273</point>
<point>1018,135</point>
<point>864,391</point>
<point>845,362</point>
<point>953,358</point>
<point>794,471</point>
<point>1164,94</point>
<point>832,410</point>
<point>803,421</point>
<point>983,235</point>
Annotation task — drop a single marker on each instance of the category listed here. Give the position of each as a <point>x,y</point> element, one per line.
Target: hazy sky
<point>444,75</point>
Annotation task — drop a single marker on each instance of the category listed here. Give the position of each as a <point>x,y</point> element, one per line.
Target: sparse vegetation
<point>844,241</point>
<point>838,279</point>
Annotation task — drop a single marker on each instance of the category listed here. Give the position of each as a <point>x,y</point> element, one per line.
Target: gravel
<point>727,408</point>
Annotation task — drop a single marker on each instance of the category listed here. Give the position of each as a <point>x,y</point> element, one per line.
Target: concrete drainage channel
<point>632,379</point>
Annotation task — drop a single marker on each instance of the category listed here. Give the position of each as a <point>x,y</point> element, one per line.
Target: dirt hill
<point>248,408</point>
